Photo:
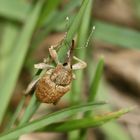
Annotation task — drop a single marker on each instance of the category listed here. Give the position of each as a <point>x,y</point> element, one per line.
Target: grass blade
<point>15,9</point>
<point>10,32</point>
<point>112,126</point>
<point>48,8</point>
<point>117,35</point>
<point>17,59</point>
<point>72,30</point>
<point>56,16</point>
<point>32,107</point>
<point>93,92</point>
<point>81,40</point>
<point>54,117</point>
<point>95,121</point>
<point>95,83</point>
<point>15,115</point>
<point>96,80</point>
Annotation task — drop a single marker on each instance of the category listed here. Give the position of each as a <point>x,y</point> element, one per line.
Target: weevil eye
<point>65,64</point>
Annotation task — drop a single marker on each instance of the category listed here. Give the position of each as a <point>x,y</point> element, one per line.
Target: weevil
<point>56,81</point>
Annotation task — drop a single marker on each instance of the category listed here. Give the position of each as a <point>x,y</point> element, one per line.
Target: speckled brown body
<point>54,84</point>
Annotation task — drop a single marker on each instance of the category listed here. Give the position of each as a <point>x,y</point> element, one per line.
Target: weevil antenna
<point>87,42</point>
<point>57,46</point>
<point>66,26</point>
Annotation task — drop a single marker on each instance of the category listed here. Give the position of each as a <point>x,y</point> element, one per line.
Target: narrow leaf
<point>72,30</point>
<point>31,108</point>
<point>17,59</point>
<point>9,37</point>
<point>122,36</point>
<point>16,113</point>
<point>48,8</point>
<point>54,117</point>
<point>81,53</point>
<point>15,9</point>
<point>71,125</point>
<point>96,79</point>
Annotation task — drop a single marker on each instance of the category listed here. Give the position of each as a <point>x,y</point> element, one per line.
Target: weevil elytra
<point>57,80</point>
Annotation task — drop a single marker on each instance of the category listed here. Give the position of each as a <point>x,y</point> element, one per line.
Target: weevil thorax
<point>62,75</point>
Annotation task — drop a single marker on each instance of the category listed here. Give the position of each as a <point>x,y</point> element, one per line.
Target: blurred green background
<point>29,27</point>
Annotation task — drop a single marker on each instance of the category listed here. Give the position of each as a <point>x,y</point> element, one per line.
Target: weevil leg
<point>73,76</point>
<point>31,85</point>
<point>53,54</point>
<point>79,65</point>
<point>43,66</point>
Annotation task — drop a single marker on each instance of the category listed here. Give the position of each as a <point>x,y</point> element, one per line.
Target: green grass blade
<point>117,35</point>
<point>9,36</point>
<point>81,53</point>
<point>111,128</point>
<point>136,8</point>
<point>49,7</point>
<point>72,30</point>
<point>93,92</point>
<point>96,80</point>
<point>17,59</point>
<point>32,107</point>
<point>95,121</point>
<point>56,16</point>
<point>95,83</point>
<point>15,115</point>
<point>77,21</point>
<point>15,9</point>
<point>52,118</point>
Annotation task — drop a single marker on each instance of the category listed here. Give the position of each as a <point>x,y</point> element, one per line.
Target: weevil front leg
<point>43,65</point>
<point>53,54</point>
<point>79,65</point>
<point>31,85</point>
